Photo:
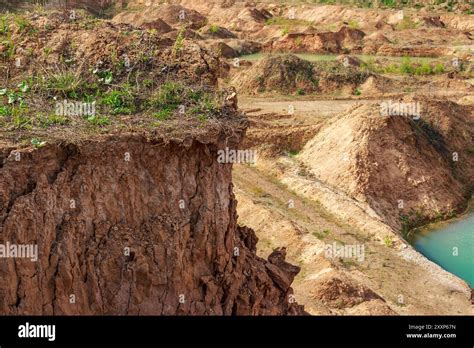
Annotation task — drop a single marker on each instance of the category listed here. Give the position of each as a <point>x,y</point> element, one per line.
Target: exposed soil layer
<point>127,224</point>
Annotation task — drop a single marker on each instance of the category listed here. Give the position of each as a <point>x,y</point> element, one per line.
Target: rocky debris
<point>217,32</point>
<point>174,15</point>
<point>376,85</point>
<point>107,40</point>
<point>244,47</point>
<point>319,42</point>
<point>248,19</point>
<point>223,50</point>
<point>341,293</point>
<point>159,25</point>
<point>231,100</point>
<point>371,307</point>
<point>186,33</point>
<point>347,60</point>
<point>282,272</point>
<point>154,236</point>
<point>434,21</point>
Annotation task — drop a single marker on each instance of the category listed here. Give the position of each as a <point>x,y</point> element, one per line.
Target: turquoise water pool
<point>441,245</point>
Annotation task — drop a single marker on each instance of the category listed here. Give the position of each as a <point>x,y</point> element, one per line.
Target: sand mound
<point>288,74</point>
<point>281,73</point>
<point>309,41</point>
<point>408,170</point>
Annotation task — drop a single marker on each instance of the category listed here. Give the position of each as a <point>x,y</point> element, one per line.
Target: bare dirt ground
<point>307,111</point>
<point>263,204</point>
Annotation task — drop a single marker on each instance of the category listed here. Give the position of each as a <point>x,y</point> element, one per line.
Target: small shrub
<point>353,24</point>
<point>438,69</point>
<point>22,23</point>
<point>300,91</point>
<point>214,29</point>
<point>169,94</point>
<point>65,83</point>
<point>121,102</point>
<point>178,44</point>
<point>388,241</point>
<point>164,114</point>
<point>97,120</point>
<point>406,67</point>
<point>424,69</point>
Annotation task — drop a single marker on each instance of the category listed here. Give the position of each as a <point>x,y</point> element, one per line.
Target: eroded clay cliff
<point>133,224</point>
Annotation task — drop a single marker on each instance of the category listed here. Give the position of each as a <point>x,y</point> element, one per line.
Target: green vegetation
<point>22,23</point>
<point>410,221</point>
<point>178,44</point>
<point>388,241</point>
<point>4,28</point>
<point>98,120</point>
<point>353,24</point>
<point>293,153</point>
<point>213,29</point>
<point>65,83</point>
<point>52,120</point>
<point>321,235</point>
<point>393,4</point>
<point>37,143</point>
<point>119,101</point>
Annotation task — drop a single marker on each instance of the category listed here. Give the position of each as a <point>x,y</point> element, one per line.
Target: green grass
<point>97,120</point>
<point>4,27</point>
<point>51,120</point>
<point>353,24</point>
<point>178,44</point>
<point>213,29</point>
<point>65,83</point>
<point>388,241</point>
<point>22,23</point>
<point>164,114</point>
<point>10,48</point>
<point>119,101</point>
<point>168,95</point>
<point>391,64</point>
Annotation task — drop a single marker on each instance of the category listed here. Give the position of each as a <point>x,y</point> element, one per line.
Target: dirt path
<point>301,108</point>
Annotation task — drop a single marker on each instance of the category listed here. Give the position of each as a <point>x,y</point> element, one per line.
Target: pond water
<point>451,246</point>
